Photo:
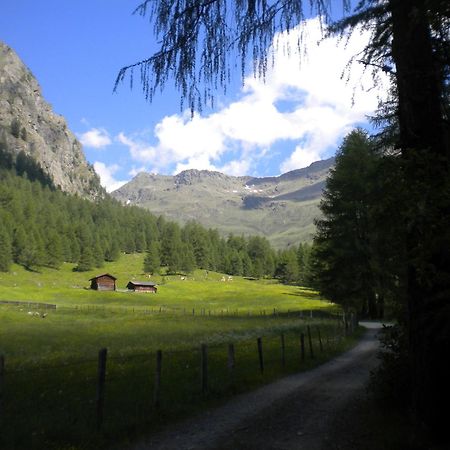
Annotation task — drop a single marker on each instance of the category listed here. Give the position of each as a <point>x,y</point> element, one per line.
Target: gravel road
<point>296,412</point>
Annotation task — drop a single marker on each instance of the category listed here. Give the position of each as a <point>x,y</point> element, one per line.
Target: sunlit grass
<point>51,354</point>
<point>202,289</point>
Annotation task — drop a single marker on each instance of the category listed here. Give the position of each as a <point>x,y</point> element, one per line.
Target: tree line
<point>43,227</point>
<point>359,256</point>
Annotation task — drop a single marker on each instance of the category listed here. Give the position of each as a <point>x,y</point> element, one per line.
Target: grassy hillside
<point>85,320</point>
<point>57,348</point>
<point>280,208</point>
<point>201,289</point>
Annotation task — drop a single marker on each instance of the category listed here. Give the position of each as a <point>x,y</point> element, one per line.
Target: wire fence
<point>165,309</point>
<point>111,397</point>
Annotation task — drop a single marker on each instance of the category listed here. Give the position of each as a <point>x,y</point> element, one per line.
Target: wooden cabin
<point>104,282</point>
<point>142,286</point>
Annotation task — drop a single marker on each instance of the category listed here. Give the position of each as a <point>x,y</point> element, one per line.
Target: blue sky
<point>75,49</point>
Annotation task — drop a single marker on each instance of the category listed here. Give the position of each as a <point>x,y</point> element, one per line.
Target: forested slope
<point>43,226</point>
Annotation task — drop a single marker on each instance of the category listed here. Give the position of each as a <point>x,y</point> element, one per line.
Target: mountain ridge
<point>281,208</point>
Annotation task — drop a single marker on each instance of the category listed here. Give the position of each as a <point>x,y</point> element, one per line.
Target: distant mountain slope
<point>281,208</point>
<point>28,124</point>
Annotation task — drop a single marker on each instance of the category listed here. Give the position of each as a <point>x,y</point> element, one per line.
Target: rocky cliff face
<point>28,124</point>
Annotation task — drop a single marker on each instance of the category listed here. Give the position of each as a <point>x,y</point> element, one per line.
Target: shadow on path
<point>295,412</point>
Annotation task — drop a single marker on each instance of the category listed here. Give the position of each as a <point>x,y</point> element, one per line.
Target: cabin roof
<point>103,275</point>
<point>142,283</point>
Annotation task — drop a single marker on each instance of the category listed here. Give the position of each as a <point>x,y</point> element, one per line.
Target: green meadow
<point>201,289</point>
<point>200,308</point>
<point>50,373</point>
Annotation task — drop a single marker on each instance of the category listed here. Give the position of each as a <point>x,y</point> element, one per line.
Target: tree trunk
<point>372,306</point>
<point>425,150</point>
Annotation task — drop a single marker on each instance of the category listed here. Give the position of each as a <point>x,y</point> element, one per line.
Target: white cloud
<point>135,170</point>
<point>237,168</point>
<point>139,151</point>
<point>304,101</point>
<point>106,174</point>
<point>95,138</point>
<point>197,162</point>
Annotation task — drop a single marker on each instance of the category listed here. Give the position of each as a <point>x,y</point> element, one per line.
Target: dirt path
<point>295,412</point>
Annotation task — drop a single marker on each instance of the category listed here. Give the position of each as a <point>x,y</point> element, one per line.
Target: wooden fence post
<point>345,323</point>
<point>260,355</point>
<point>101,375</point>
<point>231,364</point>
<point>311,351</point>
<point>283,351</point>
<point>231,360</point>
<point>204,368</point>
<point>157,389</point>
<point>2,382</point>
<point>320,339</point>
<point>302,346</point>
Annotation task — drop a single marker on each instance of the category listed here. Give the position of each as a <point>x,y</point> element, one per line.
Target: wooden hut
<point>104,282</point>
<point>142,286</point>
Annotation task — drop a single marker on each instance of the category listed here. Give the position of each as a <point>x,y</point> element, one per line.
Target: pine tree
<point>344,240</point>
<point>98,252</point>
<point>287,267</point>
<point>112,250</point>
<point>86,261</point>
<point>303,260</point>
<point>247,266</point>
<point>152,263</point>
<point>261,255</point>
<point>5,251</point>
<point>171,246</point>
<point>236,264</point>
<point>198,238</point>
<point>87,258</point>
<point>187,259</point>
<point>75,250</point>
<point>19,244</point>
<point>54,250</point>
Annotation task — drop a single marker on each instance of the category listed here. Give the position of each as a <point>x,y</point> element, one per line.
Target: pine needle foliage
<point>202,42</point>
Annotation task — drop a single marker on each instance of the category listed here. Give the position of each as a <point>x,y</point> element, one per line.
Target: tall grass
<point>51,354</point>
<point>53,405</point>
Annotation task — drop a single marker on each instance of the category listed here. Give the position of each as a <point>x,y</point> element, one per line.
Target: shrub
<point>15,127</point>
<point>391,380</point>
<point>23,134</point>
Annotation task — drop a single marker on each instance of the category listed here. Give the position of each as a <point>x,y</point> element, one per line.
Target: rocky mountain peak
<point>282,208</point>
<point>29,125</point>
<point>192,176</point>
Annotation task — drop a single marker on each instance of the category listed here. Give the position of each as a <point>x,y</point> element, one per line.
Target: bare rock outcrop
<point>28,124</point>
